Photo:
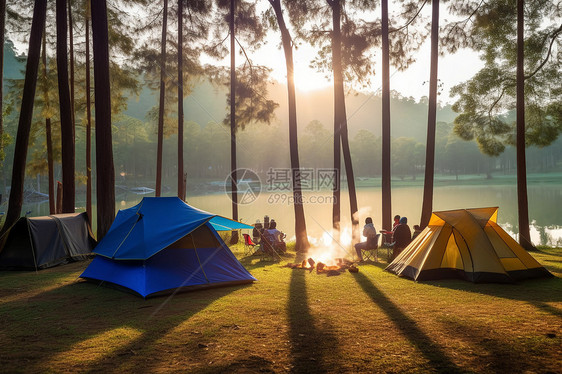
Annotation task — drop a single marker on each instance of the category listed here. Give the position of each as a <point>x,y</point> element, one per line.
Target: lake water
<point>545,202</point>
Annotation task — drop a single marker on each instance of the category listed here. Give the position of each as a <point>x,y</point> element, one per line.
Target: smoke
<point>363,212</point>
<point>326,249</point>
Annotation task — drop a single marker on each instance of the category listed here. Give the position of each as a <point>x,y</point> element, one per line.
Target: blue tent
<point>162,245</point>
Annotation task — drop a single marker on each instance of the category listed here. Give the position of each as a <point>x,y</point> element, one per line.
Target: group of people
<point>272,238</point>
<point>397,239</point>
<point>268,236</point>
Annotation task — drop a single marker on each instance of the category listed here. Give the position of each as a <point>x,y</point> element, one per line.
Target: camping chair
<point>267,248</point>
<point>372,252</point>
<point>387,243</point>
<point>249,245</point>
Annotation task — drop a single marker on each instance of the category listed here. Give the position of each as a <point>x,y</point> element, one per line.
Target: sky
<point>453,69</point>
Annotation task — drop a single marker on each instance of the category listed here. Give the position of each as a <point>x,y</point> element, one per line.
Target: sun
<point>307,79</point>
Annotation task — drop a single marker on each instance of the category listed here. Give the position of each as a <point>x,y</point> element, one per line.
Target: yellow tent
<point>466,244</point>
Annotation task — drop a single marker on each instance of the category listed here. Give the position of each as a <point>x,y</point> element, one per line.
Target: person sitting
<point>275,237</point>
<point>401,237</point>
<point>396,221</point>
<point>257,232</point>
<point>388,234</point>
<point>370,233</point>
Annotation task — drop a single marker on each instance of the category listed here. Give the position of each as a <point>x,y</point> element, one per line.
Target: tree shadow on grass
<point>96,329</point>
<point>437,358</point>
<point>537,292</point>
<point>255,262</point>
<point>164,314</point>
<point>252,364</point>
<point>381,264</point>
<point>548,308</point>
<point>495,355</point>
<point>311,344</point>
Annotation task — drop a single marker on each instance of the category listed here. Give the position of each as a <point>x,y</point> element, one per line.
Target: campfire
<point>341,265</point>
<point>328,257</point>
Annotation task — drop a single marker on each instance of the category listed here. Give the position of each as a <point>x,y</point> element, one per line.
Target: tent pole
<point>198,259</point>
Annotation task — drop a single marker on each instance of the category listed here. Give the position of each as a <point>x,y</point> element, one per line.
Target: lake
<point>545,211</point>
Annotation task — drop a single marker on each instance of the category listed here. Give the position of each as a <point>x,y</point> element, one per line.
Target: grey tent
<point>43,242</point>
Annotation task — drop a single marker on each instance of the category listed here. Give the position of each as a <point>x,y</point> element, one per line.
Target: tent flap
<point>225,224</point>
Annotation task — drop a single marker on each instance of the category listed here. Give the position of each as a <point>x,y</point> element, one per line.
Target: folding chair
<point>387,243</point>
<point>267,249</point>
<point>372,252</point>
<point>249,245</point>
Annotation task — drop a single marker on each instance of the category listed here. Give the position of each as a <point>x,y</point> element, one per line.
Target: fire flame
<point>325,249</point>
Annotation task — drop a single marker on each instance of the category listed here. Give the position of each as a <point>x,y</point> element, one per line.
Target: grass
<point>288,321</point>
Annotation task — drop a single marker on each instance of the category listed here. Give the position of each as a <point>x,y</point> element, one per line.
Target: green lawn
<point>288,321</point>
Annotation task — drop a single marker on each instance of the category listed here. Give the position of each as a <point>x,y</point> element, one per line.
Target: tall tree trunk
<point>2,39</point>
<point>349,171</point>
<point>67,131</point>
<point>88,120</point>
<point>386,175</point>
<point>50,166</point>
<point>234,179</point>
<point>340,116</point>
<point>26,114</point>
<point>161,103</point>
<point>181,185</point>
<point>336,193</point>
<point>523,205</point>
<point>71,56</point>
<point>50,163</point>
<point>105,172</point>
<point>427,205</point>
<point>302,243</point>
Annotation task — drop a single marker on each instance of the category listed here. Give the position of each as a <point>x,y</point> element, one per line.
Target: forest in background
<point>264,146</point>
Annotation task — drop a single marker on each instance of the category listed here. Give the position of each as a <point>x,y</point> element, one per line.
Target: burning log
<point>341,266</point>
<point>301,265</point>
<point>353,269</point>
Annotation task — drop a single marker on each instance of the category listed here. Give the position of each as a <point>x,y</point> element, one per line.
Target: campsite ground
<point>288,321</point>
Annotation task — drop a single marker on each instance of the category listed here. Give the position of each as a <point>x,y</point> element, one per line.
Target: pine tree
<point>427,205</point>
<point>105,172</point>
<point>67,129</point>
<point>302,243</point>
<point>26,112</point>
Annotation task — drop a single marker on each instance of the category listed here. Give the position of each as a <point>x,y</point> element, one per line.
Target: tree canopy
<point>485,101</point>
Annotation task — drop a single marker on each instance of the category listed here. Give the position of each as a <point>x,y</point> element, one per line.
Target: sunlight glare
<point>325,249</point>
<point>307,80</point>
